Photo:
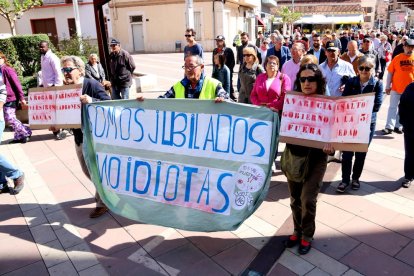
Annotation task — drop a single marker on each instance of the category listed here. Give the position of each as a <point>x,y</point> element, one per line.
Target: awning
<point>260,21</point>
<point>322,19</point>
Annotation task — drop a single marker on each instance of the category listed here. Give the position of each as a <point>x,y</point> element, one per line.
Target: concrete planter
<point>141,83</point>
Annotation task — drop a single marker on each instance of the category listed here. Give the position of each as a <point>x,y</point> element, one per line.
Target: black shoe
<point>4,188</point>
<point>386,131</point>
<point>406,183</point>
<point>18,184</point>
<point>355,185</point>
<point>342,187</point>
<point>304,249</point>
<point>20,141</point>
<point>289,243</point>
<point>397,130</point>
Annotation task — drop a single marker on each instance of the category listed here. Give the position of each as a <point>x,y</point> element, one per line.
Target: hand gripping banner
<point>188,164</point>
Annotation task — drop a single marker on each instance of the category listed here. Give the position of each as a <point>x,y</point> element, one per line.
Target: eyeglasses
<point>68,70</point>
<point>365,68</point>
<point>113,45</point>
<point>190,68</point>
<point>309,79</point>
<point>331,50</point>
<point>188,35</point>
<point>247,55</point>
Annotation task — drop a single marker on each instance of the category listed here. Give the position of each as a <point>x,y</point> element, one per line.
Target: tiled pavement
<point>45,230</point>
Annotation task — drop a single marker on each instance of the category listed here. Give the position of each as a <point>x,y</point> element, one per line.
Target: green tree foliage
<point>288,17</point>
<point>28,51</point>
<point>73,45</point>
<point>12,10</point>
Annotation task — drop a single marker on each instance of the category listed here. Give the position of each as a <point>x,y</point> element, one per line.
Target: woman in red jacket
<point>15,95</point>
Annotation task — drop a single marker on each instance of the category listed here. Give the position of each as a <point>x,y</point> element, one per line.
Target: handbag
<point>294,167</point>
<point>388,56</point>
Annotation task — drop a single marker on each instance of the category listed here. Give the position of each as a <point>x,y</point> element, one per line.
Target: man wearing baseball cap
<point>229,59</point>
<point>121,66</point>
<point>400,75</point>
<point>335,70</point>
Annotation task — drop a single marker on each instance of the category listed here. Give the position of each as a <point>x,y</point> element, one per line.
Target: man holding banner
<point>195,84</point>
<point>73,69</point>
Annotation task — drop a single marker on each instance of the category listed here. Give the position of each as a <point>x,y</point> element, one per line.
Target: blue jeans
<point>359,161</point>
<point>393,120</point>
<point>120,93</point>
<point>6,168</point>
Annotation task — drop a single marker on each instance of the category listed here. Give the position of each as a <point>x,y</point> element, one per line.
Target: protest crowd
<point>347,63</point>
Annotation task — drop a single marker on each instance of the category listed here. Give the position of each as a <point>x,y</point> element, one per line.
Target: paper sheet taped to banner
<point>57,106</point>
<point>316,120</point>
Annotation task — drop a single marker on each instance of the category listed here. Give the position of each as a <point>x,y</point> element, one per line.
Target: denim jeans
<point>393,120</point>
<point>7,169</point>
<point>120,93</point>
<point>358,162</point>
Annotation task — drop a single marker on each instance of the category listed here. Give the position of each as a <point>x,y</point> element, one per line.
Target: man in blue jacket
<point>282,52</point>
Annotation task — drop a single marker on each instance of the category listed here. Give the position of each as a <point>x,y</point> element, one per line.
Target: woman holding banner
<point>304,168</point>
<point>365,82</point>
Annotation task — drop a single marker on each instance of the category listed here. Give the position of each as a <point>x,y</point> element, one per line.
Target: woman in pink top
<point>270,87</point>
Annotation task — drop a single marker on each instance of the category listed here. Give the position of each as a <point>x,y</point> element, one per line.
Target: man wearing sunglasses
<point>192,48</point>
<point>73,69</point>
<point>368,50</point>
<point>121,66</point>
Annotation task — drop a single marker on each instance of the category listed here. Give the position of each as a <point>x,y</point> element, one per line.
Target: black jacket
<point>406,109</point>
<point>122,66</point>
<point>96,91</point>
<point>322,56</point>
<point>398,50</point>
<point>377,61</point>
<point>229,54</point>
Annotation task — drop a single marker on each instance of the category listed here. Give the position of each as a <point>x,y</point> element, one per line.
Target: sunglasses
<point>68,70</point>
<point>309,79</point>
<point>247,55</point>
<point>331,50</point>
<point>364,68</point>
<point>188,35</point>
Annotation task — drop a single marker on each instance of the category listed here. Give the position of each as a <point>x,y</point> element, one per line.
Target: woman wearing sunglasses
<point>303,194</point>
<point>248,73</point>
<point>365,82</point>
<point>15,96</point>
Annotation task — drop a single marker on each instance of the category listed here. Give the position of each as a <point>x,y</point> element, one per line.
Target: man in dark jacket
<point>73,70</point>
<point>317,49</point>
<point>344,38</point>
<point>282,52</point>
<point>367,49</point>
<point>406,108</point>
<point>121,66</point>
<point>229,59</point>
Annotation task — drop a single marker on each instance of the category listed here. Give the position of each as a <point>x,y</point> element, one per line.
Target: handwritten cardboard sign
<point>316,120</point>
<point>57,106</point>
<point>188,164</point>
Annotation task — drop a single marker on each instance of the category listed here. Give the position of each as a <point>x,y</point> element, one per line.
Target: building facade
<point>159,25</point>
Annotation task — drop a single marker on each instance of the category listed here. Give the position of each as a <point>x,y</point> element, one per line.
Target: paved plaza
<point>46,230</point>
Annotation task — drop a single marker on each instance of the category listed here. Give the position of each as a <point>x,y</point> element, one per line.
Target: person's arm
<point>170,94</point>
<point>200,48</point>
<point>378,96</point>
<point>289,56</point>
<point>11,75</point>
<point>55,62</point>
<point>254,95</point>
<point>131,63</point>
<point>101,72</point>
<point>221,93</point>
<point>230,58</point>
<point>226,84</point>
<point>88,73</point>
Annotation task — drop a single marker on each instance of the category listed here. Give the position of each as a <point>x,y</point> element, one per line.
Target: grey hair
<point>300,46</point>
<point>279,38</point>
<point>200,60</point>
<point>94,56</point>
<point>369,59</point>
<point>77,61</point>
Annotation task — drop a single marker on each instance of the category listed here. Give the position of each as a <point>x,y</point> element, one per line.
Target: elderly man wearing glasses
<point>121,66</point>
<point>195,84</point>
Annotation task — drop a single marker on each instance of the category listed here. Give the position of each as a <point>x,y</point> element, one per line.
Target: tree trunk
<point>12,27</point>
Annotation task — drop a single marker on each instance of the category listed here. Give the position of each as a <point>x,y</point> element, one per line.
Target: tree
<point>12,10</point>
<point>287,16</point>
